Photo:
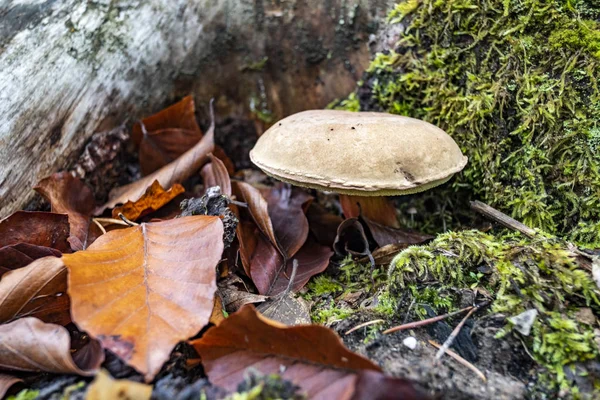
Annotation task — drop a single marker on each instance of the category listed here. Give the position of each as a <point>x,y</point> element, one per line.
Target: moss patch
<point>515,82</point>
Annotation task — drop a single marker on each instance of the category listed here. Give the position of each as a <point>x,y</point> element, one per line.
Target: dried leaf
<point>376,208</point>
<point>68,195</point>
<point>311,356</point>
<point>104,387</point>
<point>351,239</point>
<point>38,228</point>
<point>28,344</point>
<point>287,309</point>
<point>384,235</point>
<point>175,172</point>
<point>384,255</point>
<point>215,174</point>
<point>154,198</point>
<point>323,225</point>
<point>258,209</point>
<point>216,317</point>
<point>285,207</point>
<point>233,299</point>
<point>6,382</point>
<point>142,289</point>
<point>22,254</point>
<point>37,290</point>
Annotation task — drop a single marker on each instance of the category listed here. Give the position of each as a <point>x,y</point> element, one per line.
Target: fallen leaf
<point>285,208</point>
<point>311,356</point>
<point>22,254</point>
<point>29,344</point>
<point>376,208</point>
<point>38,228</point>
<point>384,255</point>
<point>234,299</point>
<point>288,309</point>
<point>37,290</point>
<point>6,382</point>
<point>142,289</point>
<point>216,317</point>
<point>104,387</point>
<point>384,235</point>
<point>215,174</point>
<point>69,195</point>
<point>323,225</point>
<point>154,198</point>
<point>351,239</point>
<point>175,172</point>
<point>258,209</point>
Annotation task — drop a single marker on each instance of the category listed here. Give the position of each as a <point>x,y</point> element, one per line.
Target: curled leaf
<point>154,198</point>
<point>215,174</point>
<point>29,344</point>
<point>142,289</point>
<point>37,290</point>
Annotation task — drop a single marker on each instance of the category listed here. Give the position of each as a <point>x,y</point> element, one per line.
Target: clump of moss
<point>515,82</point>
<point>257,386</point>
<point>520,274</point>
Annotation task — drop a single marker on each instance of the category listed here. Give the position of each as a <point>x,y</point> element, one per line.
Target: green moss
<point>515,82</point>
<point>520,274</point>
<point>26,394</point>
<point>323,285</point>
<point>257,386</point>
<point>328,314</point>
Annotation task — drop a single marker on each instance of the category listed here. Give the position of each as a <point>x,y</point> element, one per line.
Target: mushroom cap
<point>358,153</point>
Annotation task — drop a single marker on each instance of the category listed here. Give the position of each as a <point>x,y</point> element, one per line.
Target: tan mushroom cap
<point>364,154</point>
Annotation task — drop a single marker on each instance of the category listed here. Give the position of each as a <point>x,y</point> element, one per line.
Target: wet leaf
<point>154,198</point>
<point>69,195</point>
<point>142,289</point>
<point>6,382</point>
<point>215,174</point>
<point>38,228</point>
<point>384,235</point>
<point>37,290</point>
<point>29,344</point>
<point>22,254</point>
<point>175,172</point>
<point>311,356</point>
<point>104,387</point>
<point>376,208</point>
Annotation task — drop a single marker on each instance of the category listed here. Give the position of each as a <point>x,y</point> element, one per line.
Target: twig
<point>99,225</point>
<point>502,218</point>
<point>128,222</point>
<point>453,335</point>
<point>461,361</point>
<point>428,321</point>
<point>357,327</point>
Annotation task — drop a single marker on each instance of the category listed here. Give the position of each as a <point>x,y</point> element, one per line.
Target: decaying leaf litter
<point>141,273</point>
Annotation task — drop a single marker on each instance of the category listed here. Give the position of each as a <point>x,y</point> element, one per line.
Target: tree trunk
<point>69,68</point>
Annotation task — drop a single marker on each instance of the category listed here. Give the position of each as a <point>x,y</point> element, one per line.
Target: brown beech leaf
<point>6,382</point>
<point>154,198</point>
<point>215,174</point>
<point>29,344</point>
<point>142,289</point>
<point>385,235</point>
<point>257,207</point>
<point>38,228</point>
<point>323,225</point>
<point>285,206</point>
<point>377,208</point>
<point>233,299</point>
<point>311,356</point>
<point>176,171</point>
<point>22,254</point>
<point>68,195</point>
<point>37,290</point>
<point>104,387</point>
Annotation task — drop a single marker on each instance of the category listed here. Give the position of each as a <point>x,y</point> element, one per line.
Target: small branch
<point>461,361</point>
<point>128,222</point>
<point>453,335</point>
<point>418,324</point>
<point>99,225</point>
<point>502,218</point>
<point>357,327</point>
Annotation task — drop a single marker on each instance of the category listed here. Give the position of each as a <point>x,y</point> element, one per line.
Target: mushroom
<point>363,156</point>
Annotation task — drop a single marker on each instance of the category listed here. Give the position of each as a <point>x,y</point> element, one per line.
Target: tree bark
<point>69,68</point>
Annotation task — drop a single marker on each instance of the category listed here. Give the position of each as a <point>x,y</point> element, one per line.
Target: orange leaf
<point>142,289</point>
<point>311,356</point>
<point>37,290</point>
<point>175,172</point>
<point>68,195</point>
<point>28,344</point>
<point>154,198</point>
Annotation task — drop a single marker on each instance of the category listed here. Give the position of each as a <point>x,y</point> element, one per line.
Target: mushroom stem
<point>376,208</point>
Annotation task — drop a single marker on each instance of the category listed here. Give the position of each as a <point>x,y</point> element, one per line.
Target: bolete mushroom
<point>358,154</point>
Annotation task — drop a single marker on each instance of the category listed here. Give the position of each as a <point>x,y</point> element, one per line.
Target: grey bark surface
<point>70,68</point>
